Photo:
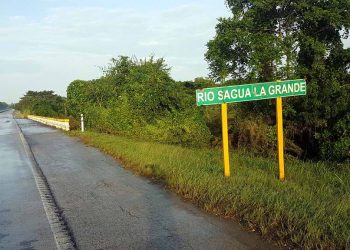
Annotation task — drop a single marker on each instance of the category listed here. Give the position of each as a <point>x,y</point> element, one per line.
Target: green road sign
<point>250,92</point>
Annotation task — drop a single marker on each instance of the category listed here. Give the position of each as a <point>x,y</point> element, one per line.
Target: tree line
<point>260,42</point>
<point>42,103</point>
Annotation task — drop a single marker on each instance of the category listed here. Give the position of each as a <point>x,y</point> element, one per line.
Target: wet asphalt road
<point>105,206</point>
<point>23,222</point>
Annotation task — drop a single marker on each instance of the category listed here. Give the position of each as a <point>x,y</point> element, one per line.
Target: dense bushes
<point>43,103</point>
<point>139,98</point>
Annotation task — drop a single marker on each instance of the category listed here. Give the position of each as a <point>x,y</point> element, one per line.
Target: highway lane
<point>108,207</point>
<point>23,222</point>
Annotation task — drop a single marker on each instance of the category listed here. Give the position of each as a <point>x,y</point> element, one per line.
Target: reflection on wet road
<point>23,222</point>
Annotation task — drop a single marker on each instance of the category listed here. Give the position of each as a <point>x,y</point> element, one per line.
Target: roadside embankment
<point>311,209</point>
<point>53,122</point>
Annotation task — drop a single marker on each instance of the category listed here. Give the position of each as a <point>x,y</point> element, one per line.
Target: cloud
<point>70,42</point>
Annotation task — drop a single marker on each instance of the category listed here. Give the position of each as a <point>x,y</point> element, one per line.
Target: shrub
<point>146,103</point>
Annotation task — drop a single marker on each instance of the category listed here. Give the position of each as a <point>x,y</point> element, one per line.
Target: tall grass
<point>311,209</point>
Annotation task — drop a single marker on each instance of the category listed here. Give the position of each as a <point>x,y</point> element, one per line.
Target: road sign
<point>250,92</point>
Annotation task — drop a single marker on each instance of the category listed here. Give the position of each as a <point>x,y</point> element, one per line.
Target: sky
<point>46,44</point>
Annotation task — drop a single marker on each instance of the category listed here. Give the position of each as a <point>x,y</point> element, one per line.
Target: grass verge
<point>311,209</point>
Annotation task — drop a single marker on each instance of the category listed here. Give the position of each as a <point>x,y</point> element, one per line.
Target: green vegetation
<point>261,41</point>
<point>42,103</point>
<point>309,210</point>
<point>138,97</point>
<point>277,40</point>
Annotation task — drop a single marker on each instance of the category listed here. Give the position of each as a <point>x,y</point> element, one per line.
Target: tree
<point>280,39</point>
<point>139,97</point>
<point>118,69</point>
<point>43,103</point>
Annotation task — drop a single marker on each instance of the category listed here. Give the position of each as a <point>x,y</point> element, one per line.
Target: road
<point>23,222</point>
<point>103,205</point>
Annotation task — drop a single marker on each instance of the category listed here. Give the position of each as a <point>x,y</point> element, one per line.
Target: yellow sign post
<point>280,143</point>
<point>225,139</point>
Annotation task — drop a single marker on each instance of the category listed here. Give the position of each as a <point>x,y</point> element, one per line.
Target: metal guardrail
<point>53,122</point>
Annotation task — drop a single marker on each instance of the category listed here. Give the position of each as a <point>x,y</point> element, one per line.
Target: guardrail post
<point>82,122</point>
